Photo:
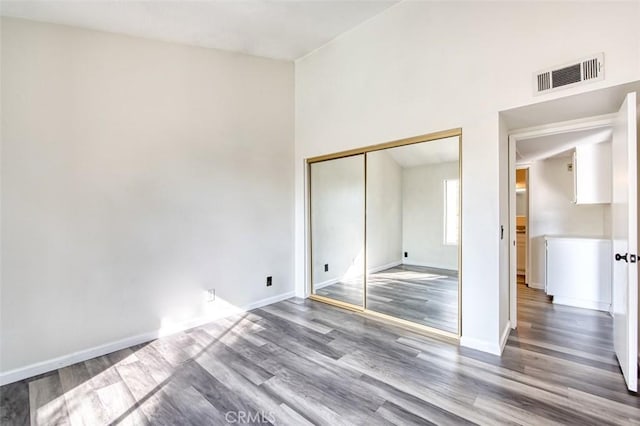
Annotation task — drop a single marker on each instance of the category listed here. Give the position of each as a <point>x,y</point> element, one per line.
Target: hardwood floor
<point>302,362</point>
<point>427,296</point>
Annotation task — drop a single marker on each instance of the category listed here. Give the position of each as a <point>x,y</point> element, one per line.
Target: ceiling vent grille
<point>582,71</point>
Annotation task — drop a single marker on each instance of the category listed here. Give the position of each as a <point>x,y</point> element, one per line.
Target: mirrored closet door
<point>412,233</point>
<point>385,231</point>
<point>337,229</point>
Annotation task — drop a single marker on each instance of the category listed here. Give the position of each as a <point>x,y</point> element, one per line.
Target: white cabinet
<point>592,173</point>
<point>578,272</point>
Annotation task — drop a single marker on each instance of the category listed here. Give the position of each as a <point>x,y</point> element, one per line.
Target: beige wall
<point>135,175</point>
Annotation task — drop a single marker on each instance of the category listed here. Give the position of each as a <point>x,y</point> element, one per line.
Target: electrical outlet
<point>326,267</point>
<point>269,281</point>
<point>211,295</point>
<point>406,254</point>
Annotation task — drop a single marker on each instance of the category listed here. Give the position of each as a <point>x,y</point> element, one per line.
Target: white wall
<point>421,67</point>
<point>423,216</point>
<point>552,211</point>
<point>136,174</point>
<point>384,211</point>
<point>337,219</point>
<point>504,243</point>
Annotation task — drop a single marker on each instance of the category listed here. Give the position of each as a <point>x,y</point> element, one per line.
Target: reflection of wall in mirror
<point>423,216</point>
<point>337,219</point>
<point>384,211</point>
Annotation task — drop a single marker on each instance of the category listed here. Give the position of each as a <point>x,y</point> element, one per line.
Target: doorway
<point>561,193</point>
<point>580,263</point>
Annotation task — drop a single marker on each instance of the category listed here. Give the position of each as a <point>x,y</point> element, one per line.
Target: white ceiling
<point>578,106</point>
<point>432,152</point>
<point>274,29</point>
<point>535,149</point>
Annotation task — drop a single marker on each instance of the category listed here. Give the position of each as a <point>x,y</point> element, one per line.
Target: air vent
<point>544,81</point>
<point>582,71</point>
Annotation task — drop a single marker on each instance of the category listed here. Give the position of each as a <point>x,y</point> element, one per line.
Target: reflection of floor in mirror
<point>349,291</point>
<point>423,295</point>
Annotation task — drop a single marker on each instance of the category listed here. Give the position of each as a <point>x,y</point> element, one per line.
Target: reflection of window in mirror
<point>451,211</point>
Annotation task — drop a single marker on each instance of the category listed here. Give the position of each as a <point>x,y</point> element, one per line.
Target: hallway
<point>568,346</point>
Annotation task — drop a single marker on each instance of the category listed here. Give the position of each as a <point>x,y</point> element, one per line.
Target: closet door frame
<point>363,309</point>
<point>325,299</point>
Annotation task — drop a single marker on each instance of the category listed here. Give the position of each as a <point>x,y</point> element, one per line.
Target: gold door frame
<point>363,309</point>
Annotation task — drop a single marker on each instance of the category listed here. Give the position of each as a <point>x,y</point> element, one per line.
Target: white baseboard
<point>326,283</point>
<point>383,267</point>
<point>409,262</point>
<point>480,345</point>
<point>539,286</point>
<point>505,336</point>
<point>578,303</point>
<point>85,354</point>
<point>484,346</point>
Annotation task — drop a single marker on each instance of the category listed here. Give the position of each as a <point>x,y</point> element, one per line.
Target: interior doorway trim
<point>588,123</point>
<point>421,328</point>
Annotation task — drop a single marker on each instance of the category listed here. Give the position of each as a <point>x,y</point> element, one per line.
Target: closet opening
<point>385,231</point>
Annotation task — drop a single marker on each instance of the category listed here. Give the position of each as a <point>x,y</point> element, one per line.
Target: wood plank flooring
<point>301,362</point>
<point>423,295</point>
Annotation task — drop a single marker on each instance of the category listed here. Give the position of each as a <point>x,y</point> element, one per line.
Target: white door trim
<point>587,123</point>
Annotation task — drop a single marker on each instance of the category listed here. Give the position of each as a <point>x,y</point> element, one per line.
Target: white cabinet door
<point>592,173</point>
<point>579,272</point>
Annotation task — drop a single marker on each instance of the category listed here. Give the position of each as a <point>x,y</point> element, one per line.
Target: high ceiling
<point>276,29</point>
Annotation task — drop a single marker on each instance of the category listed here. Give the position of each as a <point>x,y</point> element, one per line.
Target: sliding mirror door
<point>412,228</point>
<point>337,209</point>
